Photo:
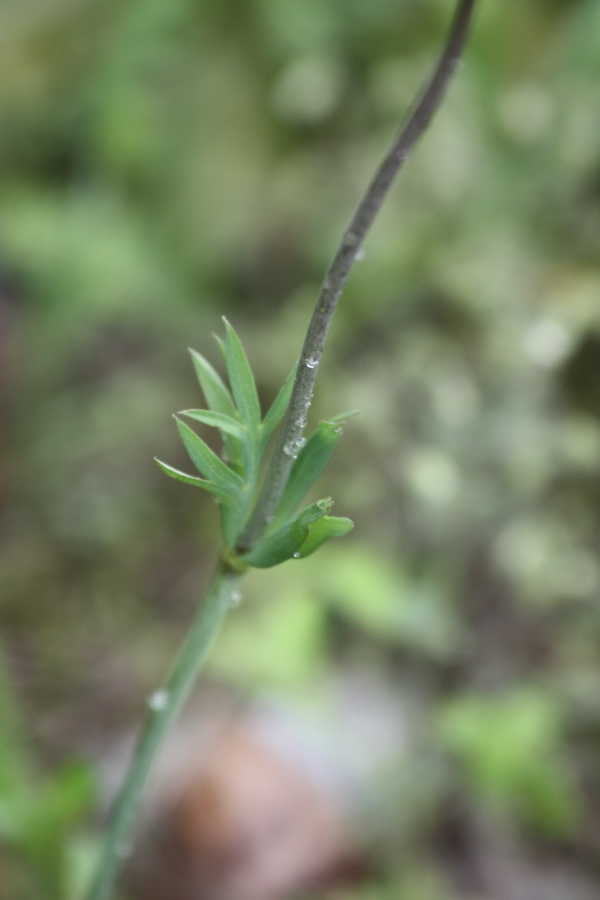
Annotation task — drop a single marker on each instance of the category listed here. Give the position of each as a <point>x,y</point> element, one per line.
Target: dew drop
<point>296,555</point>
<point>360,255</point>
<point>293,447</point>
<point>300,421</point>
<point>158,700</point>
<point>235,599</point>
<point>311,362</point>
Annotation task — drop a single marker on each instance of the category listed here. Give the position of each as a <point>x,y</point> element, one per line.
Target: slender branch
<point>163,706</point>
<point>166,702</point>
<point>290,438</point>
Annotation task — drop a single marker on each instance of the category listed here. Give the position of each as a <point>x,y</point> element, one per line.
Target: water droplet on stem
<point>158,700</point>
<point>292,448</point>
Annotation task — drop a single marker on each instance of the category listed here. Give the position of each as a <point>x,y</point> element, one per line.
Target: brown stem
<point>290,437</point>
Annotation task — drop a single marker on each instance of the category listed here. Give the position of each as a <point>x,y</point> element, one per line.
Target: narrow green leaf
<point>232,520</point>
<point>217,395</point>
<point>242,381</point>
<point>230,512</point>
<point>278,408</point>
<point>221,345</point>
<point>220,401</point>
<point>208,463</point>
<point>286,542</point>
<point>311,461</point>
<point>217,420</point>
<point>187,479</point>
<point>343,416</point>
<point>324,530</point>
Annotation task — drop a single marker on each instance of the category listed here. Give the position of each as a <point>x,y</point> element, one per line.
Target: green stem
<point>163,706</point>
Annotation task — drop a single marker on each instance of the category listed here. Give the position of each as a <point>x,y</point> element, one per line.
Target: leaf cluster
<point>234,478</point>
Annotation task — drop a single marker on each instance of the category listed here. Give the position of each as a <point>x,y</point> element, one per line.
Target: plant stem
<point>337,274</point>
<point>163,707</point>
<point>166,702</point>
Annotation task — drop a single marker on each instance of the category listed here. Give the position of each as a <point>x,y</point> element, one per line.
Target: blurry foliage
<point>509,748</point>
<point>163,162</point>
<point>41,851</point>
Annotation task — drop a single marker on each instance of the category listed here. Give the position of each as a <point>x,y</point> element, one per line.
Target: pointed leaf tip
<point>225,424</point>
<point>343,416</point>
<point>241,379</point>
<point>187,479</point>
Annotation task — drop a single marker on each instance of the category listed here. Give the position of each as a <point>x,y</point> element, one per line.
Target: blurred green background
<point>167,162</point>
